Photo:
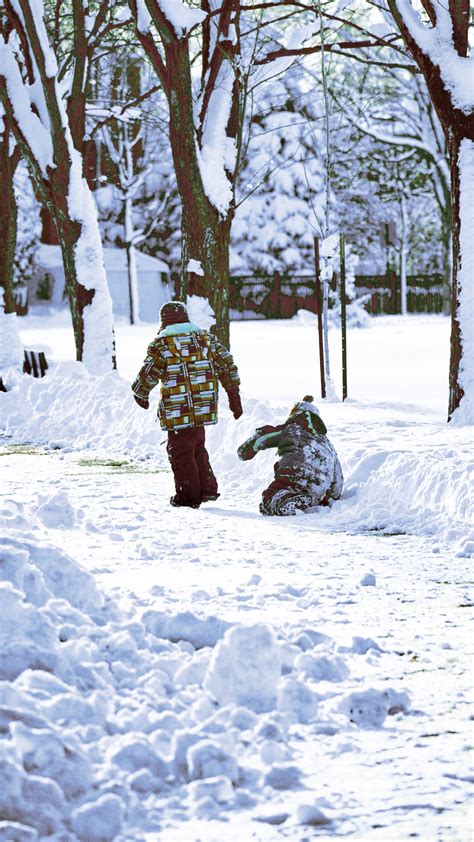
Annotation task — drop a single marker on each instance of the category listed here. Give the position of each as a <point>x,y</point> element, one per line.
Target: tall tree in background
<point>203,130</point>
<point>395,110</point>
<point>439,45</point>
<point>32,100</point>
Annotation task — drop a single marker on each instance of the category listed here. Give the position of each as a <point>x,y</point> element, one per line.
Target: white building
<point>154,287</point>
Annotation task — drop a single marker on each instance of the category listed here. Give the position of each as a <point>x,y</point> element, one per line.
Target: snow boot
<point>175,501</point>
<point>284,503</point>
<point>207,498</point>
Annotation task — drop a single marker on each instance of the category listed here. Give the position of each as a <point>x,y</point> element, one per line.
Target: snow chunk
<point>56,511</point>
<point>296,698</point>
<point>283,776</point>
<point>45,572</point>
<point>368,580</point>
<point>360,646</point>
<point>465,546</point>
<point>194,672</point>
<point>18,832</point>
<point>133,752</point>
<point>49,755</point>
<point>208,760</point>
<point>195,267</point>
<point>29,799</point>
<point>369,708</point>
<point>245,668</point>
<point>185,626</point>
<point>200,311</point>
<point>219,788</point>
<point>321,667</point>
<point>311,815</point>
<point>99,821</point>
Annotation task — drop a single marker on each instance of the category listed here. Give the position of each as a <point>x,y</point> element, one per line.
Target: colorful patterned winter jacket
<point>189,362</point>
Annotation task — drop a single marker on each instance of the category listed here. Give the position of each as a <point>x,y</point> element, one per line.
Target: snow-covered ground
<point>174,674</point>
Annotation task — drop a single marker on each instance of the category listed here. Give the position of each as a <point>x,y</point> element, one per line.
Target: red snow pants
<point>193,476</point>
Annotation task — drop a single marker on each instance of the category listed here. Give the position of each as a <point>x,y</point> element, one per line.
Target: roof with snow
<point>115,259</point>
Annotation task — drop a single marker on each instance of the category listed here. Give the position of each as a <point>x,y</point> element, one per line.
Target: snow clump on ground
<point>105,712</point>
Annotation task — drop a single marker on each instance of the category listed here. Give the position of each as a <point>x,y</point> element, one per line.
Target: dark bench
<point>34,363</point>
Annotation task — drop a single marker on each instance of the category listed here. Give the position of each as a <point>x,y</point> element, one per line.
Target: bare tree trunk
<point>8,220</point>
<point>455,389</point>
<point>447,259</point>
<point>131,260</point>
<point>403,254</point>
<point>205,228</point>
<point>206,234</point>
<point>207,238</point>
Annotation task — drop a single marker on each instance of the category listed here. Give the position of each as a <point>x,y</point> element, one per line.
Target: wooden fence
<point>280,296</point>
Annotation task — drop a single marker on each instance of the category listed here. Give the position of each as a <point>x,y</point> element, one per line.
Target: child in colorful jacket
<point>189,362</point>
<point>308,472</point>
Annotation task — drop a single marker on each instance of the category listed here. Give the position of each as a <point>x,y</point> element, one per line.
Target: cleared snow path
<point>368,614</point>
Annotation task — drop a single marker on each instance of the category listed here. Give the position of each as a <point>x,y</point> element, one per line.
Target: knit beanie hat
<point>307,405</point>
<point>173,313</point>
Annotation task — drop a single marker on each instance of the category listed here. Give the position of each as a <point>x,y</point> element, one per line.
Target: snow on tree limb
<point>180,17</point>
<point>437,43</point>
<point>35,133</point>
<point>143,17</point>
<point>425,145</point>
<point>36,10</point>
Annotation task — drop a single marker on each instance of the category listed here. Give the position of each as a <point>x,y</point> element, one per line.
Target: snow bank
<point>70,408</point>
<point>418,485</point>
<point>11,347</point>
<point>102,714</point>
<point>424,493</point>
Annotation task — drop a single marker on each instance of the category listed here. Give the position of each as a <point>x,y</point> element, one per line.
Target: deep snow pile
<point>401,474</point>
<point>105,711</point>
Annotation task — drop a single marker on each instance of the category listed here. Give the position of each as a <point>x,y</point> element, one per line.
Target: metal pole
<point>343,316</point>
<point>319,312</point>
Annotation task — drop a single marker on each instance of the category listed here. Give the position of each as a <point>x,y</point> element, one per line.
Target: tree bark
<point>206,234</point>
<point>447,257</point>
<point>8,220</point>
<point>403,255</point>
<point>455,390</point>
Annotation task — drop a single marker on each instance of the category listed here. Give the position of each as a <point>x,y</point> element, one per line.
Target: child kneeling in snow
<point>308,472</point>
